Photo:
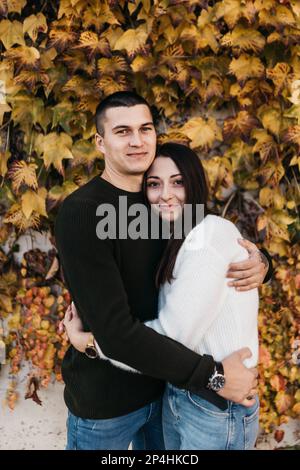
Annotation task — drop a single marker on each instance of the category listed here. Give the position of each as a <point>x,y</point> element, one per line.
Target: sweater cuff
<point>270,271</point>
<point>203,371</point>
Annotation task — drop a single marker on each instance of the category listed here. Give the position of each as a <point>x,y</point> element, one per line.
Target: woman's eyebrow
<point>155,177</point>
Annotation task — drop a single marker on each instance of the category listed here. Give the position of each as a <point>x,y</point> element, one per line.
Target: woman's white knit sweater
<point>198,308</point>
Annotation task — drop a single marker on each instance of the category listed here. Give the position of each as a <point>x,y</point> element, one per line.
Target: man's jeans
<point>142,427</point>
<point>190,423</point>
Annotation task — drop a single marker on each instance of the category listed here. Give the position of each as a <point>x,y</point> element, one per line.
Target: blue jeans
<point>192,423</point>
<point>142,427</point>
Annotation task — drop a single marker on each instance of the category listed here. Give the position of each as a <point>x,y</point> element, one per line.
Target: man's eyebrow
<point>124,126</point>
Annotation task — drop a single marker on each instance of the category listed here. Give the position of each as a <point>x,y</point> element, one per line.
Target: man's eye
<point>146,129</point>
<point>123,132</point>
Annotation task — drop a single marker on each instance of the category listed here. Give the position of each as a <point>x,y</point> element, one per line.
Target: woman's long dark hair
<point>196,192</point>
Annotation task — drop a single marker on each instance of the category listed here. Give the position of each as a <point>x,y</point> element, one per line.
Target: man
<point>112,283</point>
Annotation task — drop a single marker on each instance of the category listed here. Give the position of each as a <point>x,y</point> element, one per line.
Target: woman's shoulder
<point>212,230</point>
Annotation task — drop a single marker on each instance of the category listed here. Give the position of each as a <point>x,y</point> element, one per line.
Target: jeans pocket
<point>206,407</point>
<point>251,429</point>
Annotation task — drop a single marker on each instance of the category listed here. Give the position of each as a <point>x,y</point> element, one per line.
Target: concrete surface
<point>34,427</point>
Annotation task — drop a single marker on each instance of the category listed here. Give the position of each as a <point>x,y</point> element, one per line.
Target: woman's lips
<point>167,207</point>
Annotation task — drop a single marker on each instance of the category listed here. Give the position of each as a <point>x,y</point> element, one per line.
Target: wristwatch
<point>217,380</point>
<point>90,349</point>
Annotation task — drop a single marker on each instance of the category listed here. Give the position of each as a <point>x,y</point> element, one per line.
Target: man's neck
<point>131,183</point>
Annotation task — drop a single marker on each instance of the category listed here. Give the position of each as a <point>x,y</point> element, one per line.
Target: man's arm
<point>96,287</point>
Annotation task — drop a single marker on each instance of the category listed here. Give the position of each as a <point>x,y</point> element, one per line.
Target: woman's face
<point>165,189</point>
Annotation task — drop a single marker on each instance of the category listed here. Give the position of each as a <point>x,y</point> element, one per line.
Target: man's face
<point>129,140</point>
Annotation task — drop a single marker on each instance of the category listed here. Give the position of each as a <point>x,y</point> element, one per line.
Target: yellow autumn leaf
<point>292,135</point>
<point>22,172</point>
<point>246,66</point>
<point>282,217</point>
<point>34,201</point>
<point>97,14</point>
<point>84,152</point>
<point>4,156</point>
<point>113,35</point>
<point>112,65</point>
<point>132,40</point>
<point>16,217</point>
<point>202,133</point>
<point>93,44</point>
<point>58,193</point>
<point>268,197</point>
<point>271,173</point>
<point>16,6</point>
<point>279,75</point>
<point>241,124</point>
<point>11,32</point>
<point>4,108</point>
<point>35,24</point>
<point>283,401</point>
<point>30,78</point>
<point>231,10</point>
<point>295,7</point>
<point>285,16</point>
<point>244,39</point>
<point>53,148</point>
<point>270,116</point>
<point>6,303</point>
<point>295,161</point>
<point>141,64</point>
<point>109,85</point>
<point>60,39</point>
<point>265,144</point>
<point>24,55</point>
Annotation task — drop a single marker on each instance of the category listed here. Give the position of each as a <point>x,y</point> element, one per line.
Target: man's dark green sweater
<point>112,283</point>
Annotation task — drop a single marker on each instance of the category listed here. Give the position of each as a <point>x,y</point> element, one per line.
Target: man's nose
<point>135,139</point>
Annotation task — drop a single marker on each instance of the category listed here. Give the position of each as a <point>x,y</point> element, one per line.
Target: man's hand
<point>240,382</point>
<point>250,273</point>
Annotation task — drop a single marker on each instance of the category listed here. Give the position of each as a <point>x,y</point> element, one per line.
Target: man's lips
<point>137,154</point>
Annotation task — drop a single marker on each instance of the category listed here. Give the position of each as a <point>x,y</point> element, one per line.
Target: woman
<point>196,306</point>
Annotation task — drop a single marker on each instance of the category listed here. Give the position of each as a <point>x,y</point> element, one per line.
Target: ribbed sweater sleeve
<point>96,286</point>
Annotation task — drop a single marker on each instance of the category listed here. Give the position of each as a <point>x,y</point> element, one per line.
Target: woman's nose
<point>165,194</point>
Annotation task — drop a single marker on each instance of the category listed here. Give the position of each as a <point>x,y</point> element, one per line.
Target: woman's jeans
<point>142,428</point>
<point>190,423</point>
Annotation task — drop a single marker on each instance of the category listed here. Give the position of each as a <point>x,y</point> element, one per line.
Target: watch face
<point>218,382</point>
<point>91,352</point>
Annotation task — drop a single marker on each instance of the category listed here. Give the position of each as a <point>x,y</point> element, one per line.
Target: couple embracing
<point>164,345</point>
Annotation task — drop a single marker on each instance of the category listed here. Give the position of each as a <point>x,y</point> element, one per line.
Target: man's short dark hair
<point>115,100</point>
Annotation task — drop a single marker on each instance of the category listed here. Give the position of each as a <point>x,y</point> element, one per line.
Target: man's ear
<point>99,142</point>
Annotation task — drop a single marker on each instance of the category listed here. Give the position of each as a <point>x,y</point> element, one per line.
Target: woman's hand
<point>74,329</point>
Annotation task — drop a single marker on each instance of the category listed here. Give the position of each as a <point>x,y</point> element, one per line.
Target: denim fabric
<point>192,423</point>
<point>142,427</point>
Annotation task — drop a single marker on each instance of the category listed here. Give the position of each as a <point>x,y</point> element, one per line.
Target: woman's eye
<point>152,184</point>
<point>178,182</point>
